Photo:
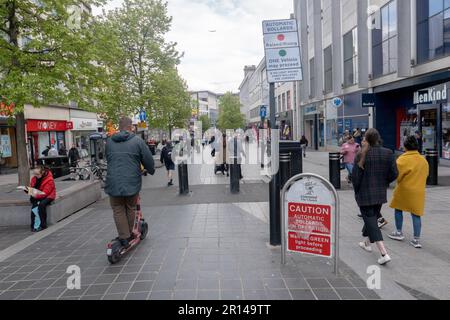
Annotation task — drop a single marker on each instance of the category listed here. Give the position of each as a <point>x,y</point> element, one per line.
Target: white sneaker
<point>365,247</point>
<point>384,260</point>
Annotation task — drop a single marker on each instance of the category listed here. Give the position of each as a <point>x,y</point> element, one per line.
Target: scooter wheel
<point>114,259</point>
<point>144,230</point>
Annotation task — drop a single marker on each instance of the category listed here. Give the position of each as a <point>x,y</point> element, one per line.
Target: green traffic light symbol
<point>283,53</point>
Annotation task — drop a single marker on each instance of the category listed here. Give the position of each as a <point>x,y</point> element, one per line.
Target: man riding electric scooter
<point>125,153</point>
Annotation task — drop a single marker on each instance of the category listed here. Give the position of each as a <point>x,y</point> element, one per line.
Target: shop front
<point>82,129</point>
<point>424,109</point>
<point>46,133</point>
<point>314,125</point>
<point>284,122</point>
<point>8,144</point>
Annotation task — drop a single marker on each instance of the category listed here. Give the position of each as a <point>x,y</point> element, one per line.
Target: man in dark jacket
<point>125,153</point>
<point>74,156</point>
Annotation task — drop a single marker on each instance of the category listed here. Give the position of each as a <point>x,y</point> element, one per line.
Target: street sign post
<point>283,64</point>
<point>310,218</point>
<point>282,50</point>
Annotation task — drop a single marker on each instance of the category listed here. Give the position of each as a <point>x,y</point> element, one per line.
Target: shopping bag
<point>37,218</point>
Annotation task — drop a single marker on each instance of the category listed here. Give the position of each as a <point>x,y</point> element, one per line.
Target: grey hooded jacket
<point>125,152</point>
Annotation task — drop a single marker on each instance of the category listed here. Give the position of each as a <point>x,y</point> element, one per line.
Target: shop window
<point>288,98</point>
<point>446,131</point>
<point>433,29</point>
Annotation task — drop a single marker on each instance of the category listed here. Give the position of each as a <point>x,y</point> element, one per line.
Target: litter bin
<point>433,162</point>
<point>335,170</point>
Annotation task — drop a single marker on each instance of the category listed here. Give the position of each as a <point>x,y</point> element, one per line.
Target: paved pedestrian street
<point>212,245</point>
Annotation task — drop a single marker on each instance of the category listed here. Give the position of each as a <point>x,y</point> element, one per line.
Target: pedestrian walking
<point>221,156</point>
<point>126,153</point>
<point>304,144</point>
<point>74,156</point>
<point>166,159</point>
<point>409,194</point>
<point>375,168</point>
<point>42,193</point>
<point>349,150</point>
<point>358,136</point>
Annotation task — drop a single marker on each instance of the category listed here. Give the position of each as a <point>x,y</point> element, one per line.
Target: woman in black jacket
<point>166,159</point>
<point>375,169</point>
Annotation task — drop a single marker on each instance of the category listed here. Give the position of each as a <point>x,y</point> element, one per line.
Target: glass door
<point>429,126</point>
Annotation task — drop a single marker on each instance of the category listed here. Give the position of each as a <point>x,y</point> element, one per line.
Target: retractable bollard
<point>234,175</point>
<point>285,168</point>
<point>335,170</point>
<point>183,178</point>
<point>433,162</point>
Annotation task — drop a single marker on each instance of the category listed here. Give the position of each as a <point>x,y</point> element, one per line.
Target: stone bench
<point>16,213</point>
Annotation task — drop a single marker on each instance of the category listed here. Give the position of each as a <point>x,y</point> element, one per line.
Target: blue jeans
<point>349,167</point>
<point>417,223</point>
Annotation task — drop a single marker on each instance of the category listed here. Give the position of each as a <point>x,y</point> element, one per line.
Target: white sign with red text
<point>309,220</point>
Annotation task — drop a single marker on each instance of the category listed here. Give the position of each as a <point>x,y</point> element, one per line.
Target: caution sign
<point>310,217</point>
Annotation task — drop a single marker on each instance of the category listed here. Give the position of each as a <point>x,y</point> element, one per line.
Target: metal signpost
<point>283,64</point>
<point>310,218</point>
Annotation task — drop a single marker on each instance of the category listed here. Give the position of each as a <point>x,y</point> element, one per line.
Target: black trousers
<point>371,230</point>
<point>42,211</point>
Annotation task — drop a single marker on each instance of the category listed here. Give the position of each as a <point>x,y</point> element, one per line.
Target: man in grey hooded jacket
<point>126,153</point>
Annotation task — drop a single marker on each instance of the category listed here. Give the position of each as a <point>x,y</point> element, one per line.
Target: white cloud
<point>215,61</point>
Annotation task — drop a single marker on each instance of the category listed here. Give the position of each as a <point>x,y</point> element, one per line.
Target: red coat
<point>47,186</point>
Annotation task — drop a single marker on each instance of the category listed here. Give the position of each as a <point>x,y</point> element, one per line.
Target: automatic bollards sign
<point>282,48</point>
<point>310,217</point>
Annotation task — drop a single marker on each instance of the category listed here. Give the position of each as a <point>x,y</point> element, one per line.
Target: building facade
<point>254,94</point>
<point>286,106</point>
<point>207,103</point>
<point>395,52</point>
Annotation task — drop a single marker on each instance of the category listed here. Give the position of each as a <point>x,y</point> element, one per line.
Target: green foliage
<point>170,102</point>
<point>230,116</point>
<point>134,49</point>
<point>206,122</point>
<point>44,57</point>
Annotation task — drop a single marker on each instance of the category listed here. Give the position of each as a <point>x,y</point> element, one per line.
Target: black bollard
<point>335,170</point>
<point>234,176</point>
<point>285,168</point>
<point>433,162</point>
<point>183,178</point>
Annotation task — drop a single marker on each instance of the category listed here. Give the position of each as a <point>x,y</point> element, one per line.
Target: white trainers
<point>384,260</point>
<point>365,247</point>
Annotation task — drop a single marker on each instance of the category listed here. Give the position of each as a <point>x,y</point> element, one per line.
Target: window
<point>328,69</point>
<point>312,78</point>
<point>280,106</point>
<point>289,103</point>
<point>384,41</point>
<point>433,29</point>
<point>284,101</point>
<point>351,58</point>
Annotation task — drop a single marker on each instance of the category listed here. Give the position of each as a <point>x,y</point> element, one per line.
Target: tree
<point>44,59</point>
<point>206,122</point>
<point>170,102</point>
<point>230,116</point>
<point>138,28</point>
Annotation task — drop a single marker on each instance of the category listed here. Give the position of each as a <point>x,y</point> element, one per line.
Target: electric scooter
<point>116,250</point>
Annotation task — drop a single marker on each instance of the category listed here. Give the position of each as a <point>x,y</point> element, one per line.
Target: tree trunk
<point>22,154</point>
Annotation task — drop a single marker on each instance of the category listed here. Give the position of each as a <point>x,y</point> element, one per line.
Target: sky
<point>215,61</point>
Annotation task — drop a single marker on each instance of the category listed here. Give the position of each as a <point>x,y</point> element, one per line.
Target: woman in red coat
<point>44,182</point>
